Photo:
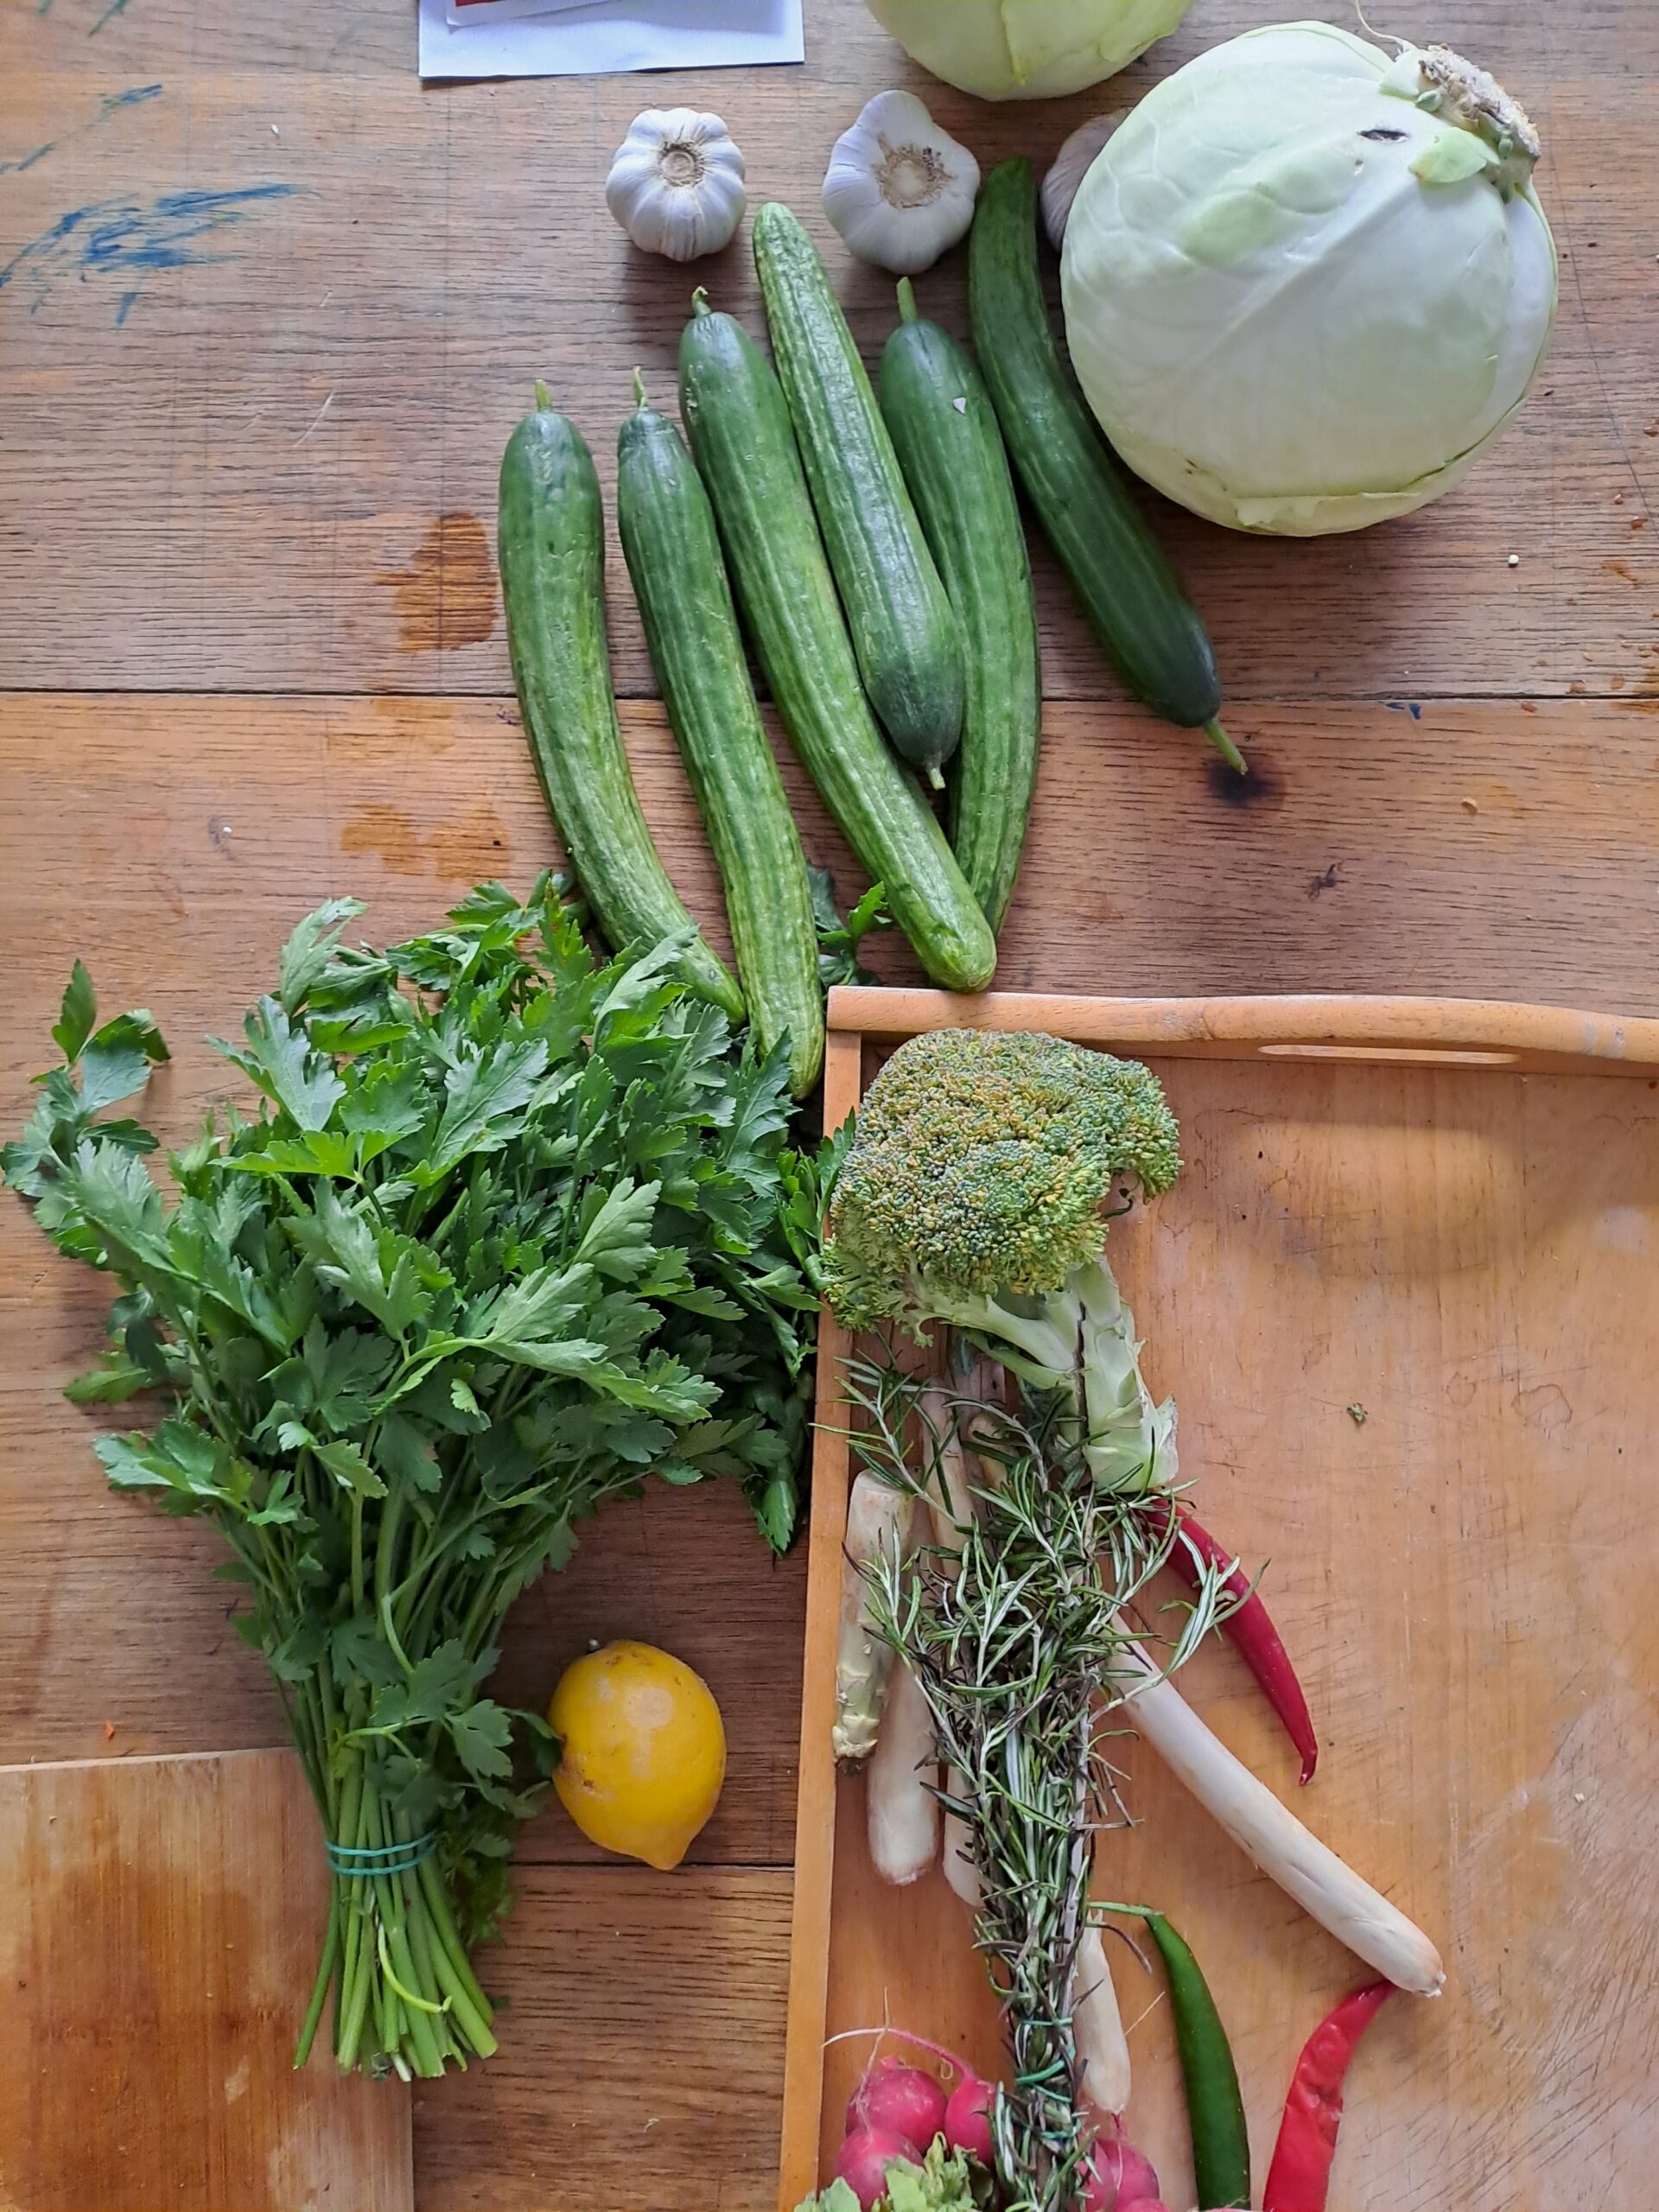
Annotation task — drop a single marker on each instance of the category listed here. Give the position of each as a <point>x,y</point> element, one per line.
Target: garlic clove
<point>676,184</point>
<point>1072,164</point>
<point>899,189</point>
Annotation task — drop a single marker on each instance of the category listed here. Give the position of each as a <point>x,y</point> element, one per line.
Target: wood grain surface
<point>1402,1311</point>
<point>274,467</point>
<point>641,2052</point>
<point>268,310</point>
<point>161,1927</point>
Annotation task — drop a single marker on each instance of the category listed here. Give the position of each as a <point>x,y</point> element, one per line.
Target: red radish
<point>967,2121</point>
<point>863,2159</point>
<point>1120,2179</point>
<point>1143,2204</point>
<point>899,2097</point>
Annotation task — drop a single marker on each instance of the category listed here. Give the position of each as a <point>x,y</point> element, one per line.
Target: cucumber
<point>669,541</point>
<point>904,633</point>
<point>1151,630</point>
<point>552,546</point>
<point>738,421</point>
<point>950,450</point>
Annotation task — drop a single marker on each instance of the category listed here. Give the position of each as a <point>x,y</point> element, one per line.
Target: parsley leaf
<point>280,1060</point>
<point>74,1025</point>
<point>504,1232</point>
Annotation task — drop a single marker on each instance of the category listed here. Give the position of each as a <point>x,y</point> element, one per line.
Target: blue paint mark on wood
<point>124,239</point>
<point>108,106</point>
<point>126,307</point>
<point>115,8</point>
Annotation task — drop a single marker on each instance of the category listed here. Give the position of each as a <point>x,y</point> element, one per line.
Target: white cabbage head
<point>1025,49</point>
<point>1306,283</point>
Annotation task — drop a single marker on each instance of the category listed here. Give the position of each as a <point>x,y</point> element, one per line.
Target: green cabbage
<point>1025,49</point>
<point>1306,283</point>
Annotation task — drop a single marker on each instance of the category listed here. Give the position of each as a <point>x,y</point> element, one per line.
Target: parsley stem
<point>325,1976</point>
<point>358,1590</point>
<point>385,1552</point>
<point>354,1982</point>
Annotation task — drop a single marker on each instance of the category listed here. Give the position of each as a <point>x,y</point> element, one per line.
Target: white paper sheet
<point>614,35</point>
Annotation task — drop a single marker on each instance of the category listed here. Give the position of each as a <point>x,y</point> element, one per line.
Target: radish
<point>1120,2179</point>
<point>967,2121</point>
<point>901,2098</point>
<point>863,2159</point>
<point>965,2124</point>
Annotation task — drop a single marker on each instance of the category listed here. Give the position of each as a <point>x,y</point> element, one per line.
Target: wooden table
<point>268,310</point>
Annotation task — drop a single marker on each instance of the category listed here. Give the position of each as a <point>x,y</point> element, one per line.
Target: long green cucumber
<point>904,632</point>
<point>944,432</point>
<point>673,555</point>
<point>1152,632</point>
<point>738,424</point>
<point>551,544</point>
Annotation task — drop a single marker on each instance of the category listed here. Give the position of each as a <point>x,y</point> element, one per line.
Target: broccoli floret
<point>976,1193</point>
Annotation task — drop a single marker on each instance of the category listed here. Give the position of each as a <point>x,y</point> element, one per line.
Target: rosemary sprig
<point>1017,1641</point>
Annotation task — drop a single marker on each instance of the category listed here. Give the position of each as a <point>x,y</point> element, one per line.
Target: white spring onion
<point>877,1517</point>
<point>1275,1839</point>
<point>950,1499</point>
<point>902,1812</point>
<point>956,1846</point>
<point>1097,2026</point>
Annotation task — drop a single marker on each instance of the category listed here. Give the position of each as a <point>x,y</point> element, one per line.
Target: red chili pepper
<point>1300,2173</point>
<point>1250,1631</point>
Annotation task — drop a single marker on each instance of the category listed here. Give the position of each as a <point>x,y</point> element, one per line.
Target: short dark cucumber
<point>904,635</point>
<point>738,424</point>
<point>673,555</point>
<point>552,554</point>
<point>944,432</point>
<point>1133,597</point>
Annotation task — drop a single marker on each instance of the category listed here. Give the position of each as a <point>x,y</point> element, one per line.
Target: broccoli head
<point>988,1163</point>
<point>976,1191</point>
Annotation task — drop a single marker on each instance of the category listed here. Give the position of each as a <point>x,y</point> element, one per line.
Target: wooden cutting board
<point>1404,1296</point>
<point>158,1936</point>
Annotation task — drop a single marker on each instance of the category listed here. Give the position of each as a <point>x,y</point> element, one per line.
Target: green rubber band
<point>362,1861</point>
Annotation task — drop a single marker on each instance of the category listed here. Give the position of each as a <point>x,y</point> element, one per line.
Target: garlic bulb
<point>899,189</point>
<point>677,183</point>
<point>1072,164</point>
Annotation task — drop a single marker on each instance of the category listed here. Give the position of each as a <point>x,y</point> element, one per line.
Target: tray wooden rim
<point>1415,1031</point>
<point>1466,1035</point>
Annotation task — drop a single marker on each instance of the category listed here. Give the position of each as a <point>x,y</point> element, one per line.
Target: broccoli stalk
<point>976,1193</point>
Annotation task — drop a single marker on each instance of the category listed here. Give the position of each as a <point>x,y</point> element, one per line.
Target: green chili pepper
<point>1215,2110</point>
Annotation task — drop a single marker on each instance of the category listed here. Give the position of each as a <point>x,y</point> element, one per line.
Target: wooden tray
<point>1404,1295</point>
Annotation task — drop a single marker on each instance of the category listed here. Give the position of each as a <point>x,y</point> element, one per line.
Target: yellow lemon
<point>644,1750</point>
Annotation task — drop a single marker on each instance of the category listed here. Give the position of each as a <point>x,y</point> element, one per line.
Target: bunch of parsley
<point>508,1231</point>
